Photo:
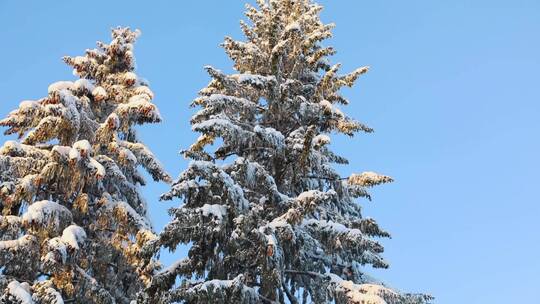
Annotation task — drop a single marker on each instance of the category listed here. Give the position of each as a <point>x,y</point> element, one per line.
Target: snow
<point>360,293</point>
<point>215,73</point>
<point>39,212</point>
<point>295,26</point>
<point>128,155</point>
<point>368,179</point>
<point>74,154</point>
<point>99,93</point>
<point>83,84</point>
<point>370,175</point>
<point>249,294</point>
<point>100,170</point>
<point>139,220</point>
<point>326,104</point>
<point>130,77</point>
<point>12,146</point>
<point>321,140</point>
<point>216,285</point>
<point>147,159</point>
<point>73,235</point>
<point>141,106</point>
<point>9,220</point>
<point>251,170</point>
<point>113,121</point>
<point>20,242</point>
<point>327,225</point>
<point>172,268</point>
<point>60,85</point>
<point>308,195</point>
<point>271,240</point>
<point>27,104</point>
<point>271,135</point>
<point>315,195</point>
<point>27,183</point>
<point>256,80</point>
<point>59,246</point>
<point>21,291</point>
<point>213,122</point>
<point>221,101</point>
<point>219,211</point>
<point>79,60</point>
<point>57,296</point>
<point>144,90</point>
<point>137,101</point>
<point>279,222</point>
<point>70,102</point>
<point>234,191</point>
<point>83,146</point>
<point>333,227</point>
<point>63,151</point>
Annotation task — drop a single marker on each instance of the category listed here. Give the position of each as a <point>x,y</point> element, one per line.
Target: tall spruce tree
<point>72,220</point>
<point>267,217</point>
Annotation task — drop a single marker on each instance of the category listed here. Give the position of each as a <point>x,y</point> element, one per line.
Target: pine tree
<point>267,217</point>
<point>72,220</point>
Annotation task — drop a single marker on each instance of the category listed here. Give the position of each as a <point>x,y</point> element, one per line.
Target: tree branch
<point>308,273</point>
<point>291,297</point>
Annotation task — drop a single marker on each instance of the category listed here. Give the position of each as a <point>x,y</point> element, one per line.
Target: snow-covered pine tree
<point>72,220</point>
<point>267,217</point>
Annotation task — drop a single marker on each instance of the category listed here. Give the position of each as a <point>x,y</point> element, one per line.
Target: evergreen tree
<point>267,217</point>
<point>72,220</point>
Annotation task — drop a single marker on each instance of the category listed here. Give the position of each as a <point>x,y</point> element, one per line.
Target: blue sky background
<point>453,94</point>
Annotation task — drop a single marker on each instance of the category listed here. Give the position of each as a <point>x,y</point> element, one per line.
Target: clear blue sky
<point>453,94</point>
